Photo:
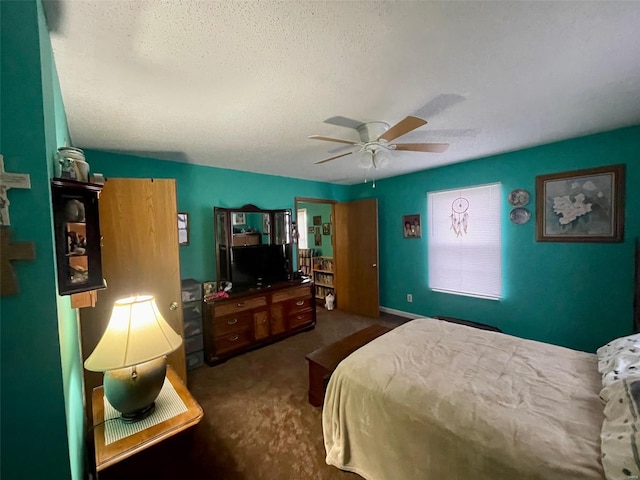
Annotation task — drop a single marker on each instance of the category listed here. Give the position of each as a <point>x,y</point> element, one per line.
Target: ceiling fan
<point>376,138</point>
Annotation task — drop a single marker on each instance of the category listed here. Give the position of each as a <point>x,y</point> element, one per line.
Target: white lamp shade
<point>137,332</point>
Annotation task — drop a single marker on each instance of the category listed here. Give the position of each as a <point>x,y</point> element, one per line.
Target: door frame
<point>298,200</point>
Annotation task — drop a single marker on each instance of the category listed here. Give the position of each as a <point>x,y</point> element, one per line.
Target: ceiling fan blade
<point>344,122</point>
<point>333,158</point>
<point>402,127</point>
<point>422,147</point>
<point>329,139</point>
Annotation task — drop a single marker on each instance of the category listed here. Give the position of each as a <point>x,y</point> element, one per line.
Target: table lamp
<point>132,354</point>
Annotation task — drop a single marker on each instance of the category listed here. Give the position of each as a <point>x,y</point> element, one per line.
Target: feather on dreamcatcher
<point>459,216</point>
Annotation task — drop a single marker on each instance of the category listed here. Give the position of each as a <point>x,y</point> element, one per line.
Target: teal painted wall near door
<point>34,439</point>
<point>573,294</point>
<point>199,189</point>
<point>322,210</point>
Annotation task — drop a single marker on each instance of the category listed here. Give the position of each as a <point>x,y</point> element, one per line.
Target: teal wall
<point>573,294</point>
<point>199,189</point>
<point>578,295</point>
<point>322,210</point>
<point>57,135</point>
<point>34,441</point>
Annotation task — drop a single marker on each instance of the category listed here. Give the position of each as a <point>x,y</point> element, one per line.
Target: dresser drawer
<point>299,319</point>
<point>232,341</point>
<point>299,305</point>
<point>232,324</point>
<point>291,293</point>
<point>241,305</point>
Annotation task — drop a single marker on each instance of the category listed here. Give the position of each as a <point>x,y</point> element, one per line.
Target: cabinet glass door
<point>77,233</point>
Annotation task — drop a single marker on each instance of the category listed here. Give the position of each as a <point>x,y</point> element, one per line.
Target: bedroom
<point>537,271</point>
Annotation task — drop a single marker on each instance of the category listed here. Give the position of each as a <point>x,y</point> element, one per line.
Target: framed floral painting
<point>581,205</point>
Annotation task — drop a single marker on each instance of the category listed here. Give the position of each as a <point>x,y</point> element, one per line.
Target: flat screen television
<point>258,265</point>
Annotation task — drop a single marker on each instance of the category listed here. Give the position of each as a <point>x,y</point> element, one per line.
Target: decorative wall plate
<point>519,198</point>
<point>520,216</point>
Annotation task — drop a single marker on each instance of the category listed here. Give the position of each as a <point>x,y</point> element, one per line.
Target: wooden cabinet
<point>247,320</point>
<point>77,233</point>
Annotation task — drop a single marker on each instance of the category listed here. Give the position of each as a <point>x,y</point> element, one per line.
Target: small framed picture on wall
<point>411,226</point>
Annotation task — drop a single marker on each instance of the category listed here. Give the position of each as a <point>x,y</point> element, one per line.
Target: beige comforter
<point>437,401</point>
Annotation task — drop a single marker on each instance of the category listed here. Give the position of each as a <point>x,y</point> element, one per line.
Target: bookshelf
<point>305,261</point>
<point>323,276</point>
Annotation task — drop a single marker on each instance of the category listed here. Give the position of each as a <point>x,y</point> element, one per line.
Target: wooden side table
<point>107,455</point>
<point>323,362</point>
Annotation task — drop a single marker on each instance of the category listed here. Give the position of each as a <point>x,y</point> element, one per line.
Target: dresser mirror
<point>253,246</point>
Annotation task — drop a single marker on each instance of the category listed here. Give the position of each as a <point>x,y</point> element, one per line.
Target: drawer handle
<point>232,322</point>
<point>300,303</point>
<point>241,304</point>
<point>299,317</point>
<point>234,338</point>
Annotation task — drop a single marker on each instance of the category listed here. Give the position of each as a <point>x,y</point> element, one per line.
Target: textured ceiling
<point>242,85</point>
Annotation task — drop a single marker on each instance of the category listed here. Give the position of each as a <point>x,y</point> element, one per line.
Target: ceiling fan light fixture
<point>365,160</point>
<point>380,159</point>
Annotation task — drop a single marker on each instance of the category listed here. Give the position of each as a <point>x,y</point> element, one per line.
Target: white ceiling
<point>242,85</point>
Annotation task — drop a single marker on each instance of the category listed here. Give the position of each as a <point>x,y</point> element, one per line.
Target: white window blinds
<point>465,241</point>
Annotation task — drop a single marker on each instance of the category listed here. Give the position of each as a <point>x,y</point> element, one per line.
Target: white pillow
<point>619,358</point>
<point>620,439</point>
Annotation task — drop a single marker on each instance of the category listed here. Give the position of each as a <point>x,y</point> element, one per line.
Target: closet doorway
<point>347,234</point>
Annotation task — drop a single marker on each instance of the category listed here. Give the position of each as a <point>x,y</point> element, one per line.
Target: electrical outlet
<point>409,298</point>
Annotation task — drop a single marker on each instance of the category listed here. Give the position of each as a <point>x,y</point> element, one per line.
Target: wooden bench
<point>323,362</point>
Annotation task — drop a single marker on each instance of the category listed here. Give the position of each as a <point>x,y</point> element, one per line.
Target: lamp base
<point>132,390</point>
<point>139,415</point>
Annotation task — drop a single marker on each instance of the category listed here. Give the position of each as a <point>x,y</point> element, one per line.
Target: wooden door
<point>138,223</point>
<point>356,257</point>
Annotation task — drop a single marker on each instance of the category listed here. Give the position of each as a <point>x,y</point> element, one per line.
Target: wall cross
<point>8,253</point>
<point>7,181</point>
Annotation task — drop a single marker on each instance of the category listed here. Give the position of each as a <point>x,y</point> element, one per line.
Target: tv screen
<point>258,265</point>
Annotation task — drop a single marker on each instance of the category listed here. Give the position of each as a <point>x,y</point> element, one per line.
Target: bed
<point>437,400</point>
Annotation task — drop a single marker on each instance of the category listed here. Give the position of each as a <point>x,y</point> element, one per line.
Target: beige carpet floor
<point>258,424</point>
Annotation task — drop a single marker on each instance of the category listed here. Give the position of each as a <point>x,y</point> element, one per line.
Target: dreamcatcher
<point>459,216</point>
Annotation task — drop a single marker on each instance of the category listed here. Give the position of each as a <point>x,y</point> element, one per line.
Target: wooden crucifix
<point>8,253</point>
<point>7,181</point>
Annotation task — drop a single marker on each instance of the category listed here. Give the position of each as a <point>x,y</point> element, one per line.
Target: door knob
<point>374,265</point>
<point>173,306</point>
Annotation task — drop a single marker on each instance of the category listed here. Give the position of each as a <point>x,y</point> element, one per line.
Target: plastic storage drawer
<point>192,309</point>
<point>195,360</point>
<point>193,344</point>
<point>192,326</point>
<point>191,290</point>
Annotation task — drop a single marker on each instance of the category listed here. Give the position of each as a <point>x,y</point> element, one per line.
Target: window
<point>465,246</point>
<point>302,228</point>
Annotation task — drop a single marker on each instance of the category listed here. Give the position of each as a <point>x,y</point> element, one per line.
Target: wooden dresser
<point>257,317</point>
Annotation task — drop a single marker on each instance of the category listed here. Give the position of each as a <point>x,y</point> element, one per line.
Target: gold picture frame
<point>581,205</point>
